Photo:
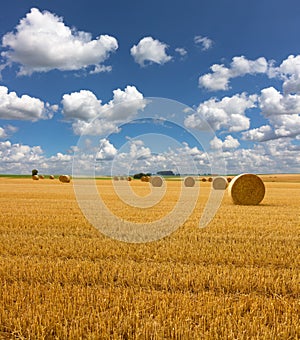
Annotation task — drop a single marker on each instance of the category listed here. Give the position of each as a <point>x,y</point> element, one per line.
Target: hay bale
<point>246,189</point>
<point>156,181</point>
<point>35,177</point>
<point>210,179</point>
<point>203,179</point>
<point>219,183</point>
<point>115,178</point>
<point>41,177</point>
<point>64,178</point>
<point>51,177</point>
<point>145,179</point>
<point>129,178</point>
<point>229,179</point>
<point>189,182</point>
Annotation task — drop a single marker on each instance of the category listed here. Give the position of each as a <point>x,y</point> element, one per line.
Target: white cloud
<point>24,107</point>
<point>94,128</point>
<point>181,51</point>
<point>228,144</point>
<point>151,50</point>
<point>2,133</point>
<point>228,113</point>
<point>42,42</point>
<point>82,105</point>
<point>289,71</point>
<point>107,150</point>
<point>138,150</point>
<point>7,130</point>
<point>205,42</point>
<point>260,134</point>
<point>91,117</point>
<point>272,102</point>
<point>219,78</point>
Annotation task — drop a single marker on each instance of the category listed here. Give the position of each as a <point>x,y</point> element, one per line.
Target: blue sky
<point>70,69</point>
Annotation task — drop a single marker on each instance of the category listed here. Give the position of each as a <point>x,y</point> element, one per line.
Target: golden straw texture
<point>246,189</point>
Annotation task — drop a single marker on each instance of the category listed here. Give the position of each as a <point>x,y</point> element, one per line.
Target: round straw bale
<point>145,179</point>
<point>41,177</point>
<point>129,178</point>
<point>51,177</point>
<point>210,179</point>
<point>35,177</point>
<point>115,178</point>
<point>203,179</point>
<point>229,179</point>
<point>189,181</point>
<point>219,183</point>
<point>121,178</point>
<point>156,181</point>
<point>246,189</point>
<point>64,178</point>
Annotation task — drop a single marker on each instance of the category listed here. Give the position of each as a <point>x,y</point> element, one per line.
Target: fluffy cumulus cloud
<point>260,134</point>
<point>229,143</point>
<point>289,71</point>
<point>90,116</point>
<point>23,108</point>
<point>220,76</point>
<point>205,42</point>
<point>150,50</point>
<point>107,150</point>
<point>42,42</point>
<point>7,130</point>
<point>272,102</point>
<point>181,51</point>
<point>282,113</point>
<point>227,113</point>
<point>18,158</point>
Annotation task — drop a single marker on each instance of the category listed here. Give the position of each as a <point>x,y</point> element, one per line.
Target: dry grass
<point>60,279</point>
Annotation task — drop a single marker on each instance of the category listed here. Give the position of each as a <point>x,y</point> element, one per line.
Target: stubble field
<point>238,278</point>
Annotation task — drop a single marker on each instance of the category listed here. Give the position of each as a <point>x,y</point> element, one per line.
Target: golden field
<point>238,278</point>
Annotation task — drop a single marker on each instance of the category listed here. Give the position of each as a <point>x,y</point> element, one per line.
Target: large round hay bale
<point>203,179</point>
<point>41,177</point>
<point>189,182</point>
<point>219,183</point>
<point>156,181</point>
<point>51,177</point>
<point>210,179</point>
<point>35,177</point>
<point>129,178</point>
<point>246,189</point>
<point>65,178</point>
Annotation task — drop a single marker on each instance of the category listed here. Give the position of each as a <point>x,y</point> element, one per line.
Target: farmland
<point>238,278</point>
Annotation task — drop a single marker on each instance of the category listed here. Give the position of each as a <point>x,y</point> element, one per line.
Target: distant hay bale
<point>129,178</point>
<point>156,181</point>
<point>121,178</point>
<point>246,189</point>
<point>51,177</point>
<point>229,179</point>
<point>219,183</point>
<point>41,177</point>
<point>189,181</point>
<point>35,177</point>
<point>210,179</point>
<point>115,178</point>
<point>145,179</point>
<point>203,179</point>
<point>64,178</point>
